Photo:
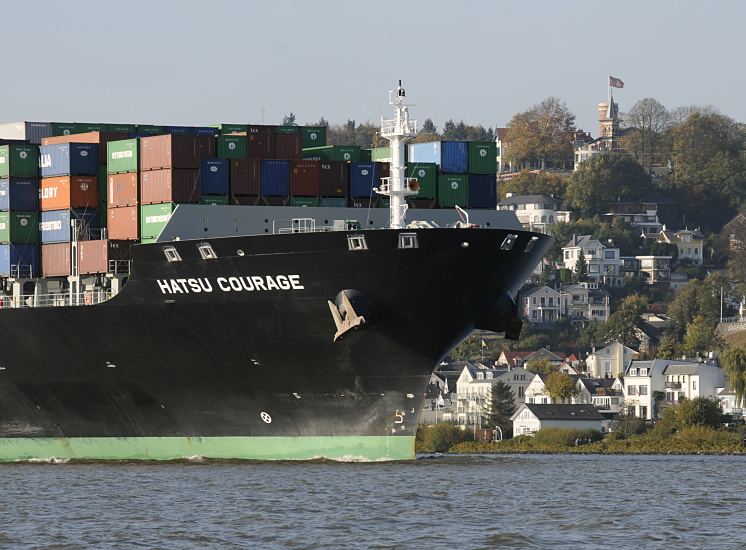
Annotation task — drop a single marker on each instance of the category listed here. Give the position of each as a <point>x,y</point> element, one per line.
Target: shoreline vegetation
<point>692,440</point>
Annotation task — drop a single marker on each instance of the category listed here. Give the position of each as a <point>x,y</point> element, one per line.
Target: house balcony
<point>673,385</point>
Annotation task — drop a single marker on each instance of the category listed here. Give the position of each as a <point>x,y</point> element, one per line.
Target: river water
<point>527,501</point>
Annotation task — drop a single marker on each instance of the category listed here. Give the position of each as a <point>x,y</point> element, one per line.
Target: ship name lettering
<point>248,283</point>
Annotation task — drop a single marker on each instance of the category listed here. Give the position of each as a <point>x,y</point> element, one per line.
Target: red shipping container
<point>158,186</point>
<point>122,189</point>
<point>245,200</point>
<point>245,177</point>
<point>102,138</point>
<point>55,260</point>
<point>64,192</point>
<point>94,256</point>
<point>175,151</point>
<point>123,223</point>
<point>334,178</point>
<point>259,146</point>
<point>288,146</point>
<point>304,178</point>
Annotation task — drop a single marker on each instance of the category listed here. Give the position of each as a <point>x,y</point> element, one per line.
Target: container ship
<point>168,293</point>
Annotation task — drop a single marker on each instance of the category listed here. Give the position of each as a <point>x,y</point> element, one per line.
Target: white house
<point>727,398</point>
<point>535,212</point>
<point>606,394</point>
<point>541,305</point>
<point>609,362</point>
<point>651,385</point>
<point>604,263</point>
<point>532,417</point>
<point>580,303</point>
<point>517,379</point>
<point>690,243</point>
<point>472,394</point>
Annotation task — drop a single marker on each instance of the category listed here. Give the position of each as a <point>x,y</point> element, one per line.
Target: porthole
<point>240,252</point>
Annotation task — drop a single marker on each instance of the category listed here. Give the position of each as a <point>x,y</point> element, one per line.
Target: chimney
<point>508,194</point>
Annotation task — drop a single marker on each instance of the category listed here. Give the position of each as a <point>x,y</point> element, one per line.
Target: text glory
<point>231,284</point>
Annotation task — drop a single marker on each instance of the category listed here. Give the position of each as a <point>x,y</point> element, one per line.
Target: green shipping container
<point>85,127</point>
<point>153,218</point>
<point>231,147</point>
<point>304,201</point>
<point>121,156</point>
<point>287,129</point>
<point>365,155</point>
<point>482,157</point>
<point>453,190</point>
<point>120,128</point>
<point>63,128</point>
<point>426,174</point>
<point>215,199</point>
<point>19,227</point>
<point>150,130</point>
<point>231,128</point>
<point>333,202</point>
<point>19,160</point>
<point>349,153</point>
<point>313,136</point>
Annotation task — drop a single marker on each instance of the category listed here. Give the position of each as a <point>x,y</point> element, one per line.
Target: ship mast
<point>397,130</point>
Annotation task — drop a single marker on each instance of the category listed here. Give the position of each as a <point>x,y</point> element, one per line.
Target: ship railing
<point>20,271</point>
<point>298,225</point>
<point>120,267</point>
<point>57,299</point>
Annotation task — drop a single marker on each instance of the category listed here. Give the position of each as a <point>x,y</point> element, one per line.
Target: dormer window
<point>206,251</point>
<point>172,255</point>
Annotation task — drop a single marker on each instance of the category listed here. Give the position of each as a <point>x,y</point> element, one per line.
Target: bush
<point>566,437</point>
<point>440,438</point>
<point>630,425</point>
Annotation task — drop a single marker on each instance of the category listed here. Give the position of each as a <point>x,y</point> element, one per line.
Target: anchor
<point>349,321</point>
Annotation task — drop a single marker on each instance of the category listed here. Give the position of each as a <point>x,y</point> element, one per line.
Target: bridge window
<point>531,244</point>
<point>509,242</point>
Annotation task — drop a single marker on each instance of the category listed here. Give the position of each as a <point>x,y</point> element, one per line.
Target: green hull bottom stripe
<point>344,448</point>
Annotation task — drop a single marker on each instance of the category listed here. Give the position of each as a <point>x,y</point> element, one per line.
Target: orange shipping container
<point>68,192</point>
<point>123,223</point>
<point>175,151</point>
<point>94,256</point>
<point>55,260</point>
<point>122,189</point>
<point>102,138</point>
<point>159,186</point>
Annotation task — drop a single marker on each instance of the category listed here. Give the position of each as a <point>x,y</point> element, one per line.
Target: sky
<point>205,62</point>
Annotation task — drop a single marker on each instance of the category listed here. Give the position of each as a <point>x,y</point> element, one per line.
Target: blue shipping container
<point>69,159</point>
<point>36,131</point>
<point>55,224</point>
<point>20,260</point>
<point>215,176</point>
<point>454,157</point>
<point>19,194</point>
<point>482,191</point>
<point>364,176</point>
<point>178,129</point>
<point>275,178</point>
<point>451,156</point>
<point>205,131</point>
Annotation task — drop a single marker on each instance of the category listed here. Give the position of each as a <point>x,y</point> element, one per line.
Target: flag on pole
<point>484,344</point>
<point>615,82</point>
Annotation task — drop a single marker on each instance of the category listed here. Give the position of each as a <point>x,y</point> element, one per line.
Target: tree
<point>605,178</point>
<point>581,268</point>
<point>541,135</point>
<point>646,121</point>
<point>624,323</point>
<point>501,407</point>
<point>541,365</point>
<point>734,365</point>
<point>694,299</point>
<point>428,127</point>
<point>289,119</point>
<point>533,183</point>
<point>700,411</point>
<point>560,386</point>
<point>366,134</point>
<point>700,336</point>
<point>669,347</point>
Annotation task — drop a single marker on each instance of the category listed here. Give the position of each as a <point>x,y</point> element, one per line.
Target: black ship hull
<point>236,357</point>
